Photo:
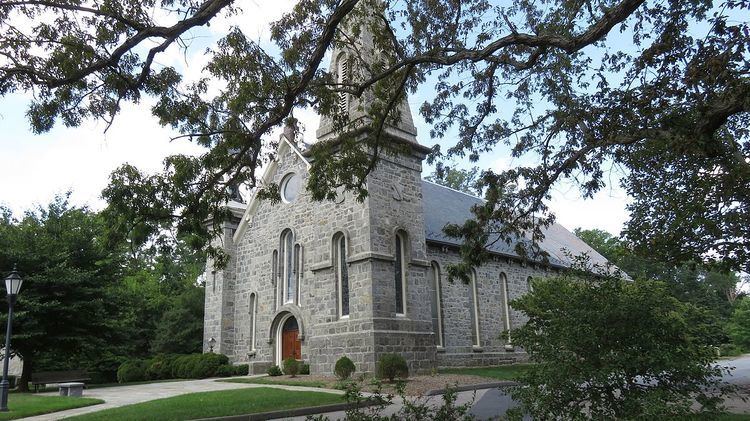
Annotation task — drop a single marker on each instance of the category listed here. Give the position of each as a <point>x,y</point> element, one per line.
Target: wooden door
<point>290,343</point>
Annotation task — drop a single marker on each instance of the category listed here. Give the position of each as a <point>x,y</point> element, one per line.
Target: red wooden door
<point>290,344</point>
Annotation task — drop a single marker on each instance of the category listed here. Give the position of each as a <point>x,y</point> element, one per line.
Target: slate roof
<point>443,205</point>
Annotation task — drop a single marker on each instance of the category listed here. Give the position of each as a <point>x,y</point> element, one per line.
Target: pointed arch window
<point>342,274</point>
<point>400,274</point>
<point>506,306</point>
<point>529,286</point>
<point>474,308</point>
<point>343,71</point>
<point>436,304</point>
<point>253,314</point>
<point>291,268</point>
<point>275,276</point>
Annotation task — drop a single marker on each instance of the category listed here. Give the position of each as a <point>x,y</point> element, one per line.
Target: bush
<point>241,370</point>
<point>224,371</point>
<point>197,366</point>
<point>160,367</point>
<point>132,371</point>
<point>291,367</point>
<point>391,366</point>
<point>104,369</point>
<point>729,350</point>
<point>305,369</point>
<point>344,368</point>
<point>274,371</point>
<point>739,324</point>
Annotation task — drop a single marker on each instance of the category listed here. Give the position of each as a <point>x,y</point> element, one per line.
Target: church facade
<point>320,280</point>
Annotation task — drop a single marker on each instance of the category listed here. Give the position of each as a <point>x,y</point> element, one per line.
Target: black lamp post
<point>13,284</point>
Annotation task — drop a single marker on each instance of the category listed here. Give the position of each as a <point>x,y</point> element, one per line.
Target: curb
<point>296,412</point>
<point>468,387</point>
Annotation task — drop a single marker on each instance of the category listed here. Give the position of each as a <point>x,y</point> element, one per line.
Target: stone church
<point>320,280</point>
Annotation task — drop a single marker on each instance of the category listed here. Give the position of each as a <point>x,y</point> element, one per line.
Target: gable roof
<point>443,205</point>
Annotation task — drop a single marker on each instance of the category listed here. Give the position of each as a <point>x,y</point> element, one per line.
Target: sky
<point>34,168</point>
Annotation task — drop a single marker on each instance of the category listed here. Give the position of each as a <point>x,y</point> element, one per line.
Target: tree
<point>606,348</point>
<point>66,307</point>
<point>670,107</point>
<point>180,330</point>
<point>456,178</point>
<point>739,324</point>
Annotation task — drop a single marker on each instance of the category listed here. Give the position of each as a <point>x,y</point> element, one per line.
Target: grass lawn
<point>214,404</point>
<point>26,404</point>
<point>292,382</point>
<point>502,372</point>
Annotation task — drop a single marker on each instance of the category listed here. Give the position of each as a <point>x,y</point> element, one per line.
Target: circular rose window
<point>290,186</point>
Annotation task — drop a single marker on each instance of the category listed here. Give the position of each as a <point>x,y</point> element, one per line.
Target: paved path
<point>126,395</point>
<point>741,369</point>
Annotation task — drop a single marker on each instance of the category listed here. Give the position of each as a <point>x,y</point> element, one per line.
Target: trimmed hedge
<point>291,367</point>
<point>274,371</point>
<point>173,366</point>
<point>131,371</point>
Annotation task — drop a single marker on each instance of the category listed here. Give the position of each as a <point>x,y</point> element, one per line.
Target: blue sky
<point>36,167</point>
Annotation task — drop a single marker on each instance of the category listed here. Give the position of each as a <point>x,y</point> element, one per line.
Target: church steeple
<point>352,60</point>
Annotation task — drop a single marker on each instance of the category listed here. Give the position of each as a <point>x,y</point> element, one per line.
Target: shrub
<point>291,367</point>
<point>305,369</point>
<point>739,324</point>
<point>224,371</point>
<point>241,370</point>
<point>104,369</point>
<point>274,371</point>
<point>197,366</point>
<point>344,368</point>
<point>391,366</point>
<point>729,350</point>
<point>132,371</point>
<point>160,367</point>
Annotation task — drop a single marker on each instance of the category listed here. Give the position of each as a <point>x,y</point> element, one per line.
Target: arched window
<point>253,313</point>
<point>290,266</point>
<point>436,304</point>
<point>529,286</point>
<point>474,308</point>
<point>400,274</point>
<point>297,272</point>
<point>506,306</point>
<point>342,274</point>
<point>275,276</point>
<point>343,77</point>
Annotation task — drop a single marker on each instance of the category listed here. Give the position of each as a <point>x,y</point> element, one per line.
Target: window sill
<point>440,349</point>
<point>510,348</point>
<point>344,317</point>
<point>401,315</point>
<point>475,348</point>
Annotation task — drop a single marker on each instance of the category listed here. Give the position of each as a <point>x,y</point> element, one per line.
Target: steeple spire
<point>353,61</point>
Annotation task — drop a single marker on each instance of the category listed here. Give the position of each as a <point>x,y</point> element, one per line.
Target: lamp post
<point>13,284</point>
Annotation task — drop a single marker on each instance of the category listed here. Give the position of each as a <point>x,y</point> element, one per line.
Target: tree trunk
<point>23,382</point>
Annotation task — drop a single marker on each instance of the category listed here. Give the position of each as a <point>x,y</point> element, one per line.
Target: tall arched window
<point>529,287</point>
<point>400,274</point>
<point>253,313</point>
<point>297,273</point>
<point>474,308</point>
<point>342,274</point>
<point>275,276</point>
<point>289,266</point>
<point>506,306</point>
<point>343,76</point>
<point>436,304</point>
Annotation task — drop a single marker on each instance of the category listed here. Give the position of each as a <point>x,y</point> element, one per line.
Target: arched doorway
<point>288,339</point>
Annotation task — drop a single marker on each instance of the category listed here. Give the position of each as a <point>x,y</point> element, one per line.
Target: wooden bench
<point>49,377</point>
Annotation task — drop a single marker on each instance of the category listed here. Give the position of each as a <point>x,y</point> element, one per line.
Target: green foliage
<point>305,369</point>
<point>606,348</point>
<point>104,369</point>
<point>739,324</point>
<point>181,325</point>
<point>274,371</point>
<point>172,366</point>
<point>456,178</point>
<point>291,366</point>
<point>132,371</point>
<point>224,371</point>
<point>344,368</point>
<point>244,370</point>
<point>392,366</point>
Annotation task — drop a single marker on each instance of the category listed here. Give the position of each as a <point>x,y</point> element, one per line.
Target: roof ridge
<point>452,189</point>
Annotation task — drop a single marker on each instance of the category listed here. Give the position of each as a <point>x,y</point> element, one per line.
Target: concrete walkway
<point>117,396</point>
